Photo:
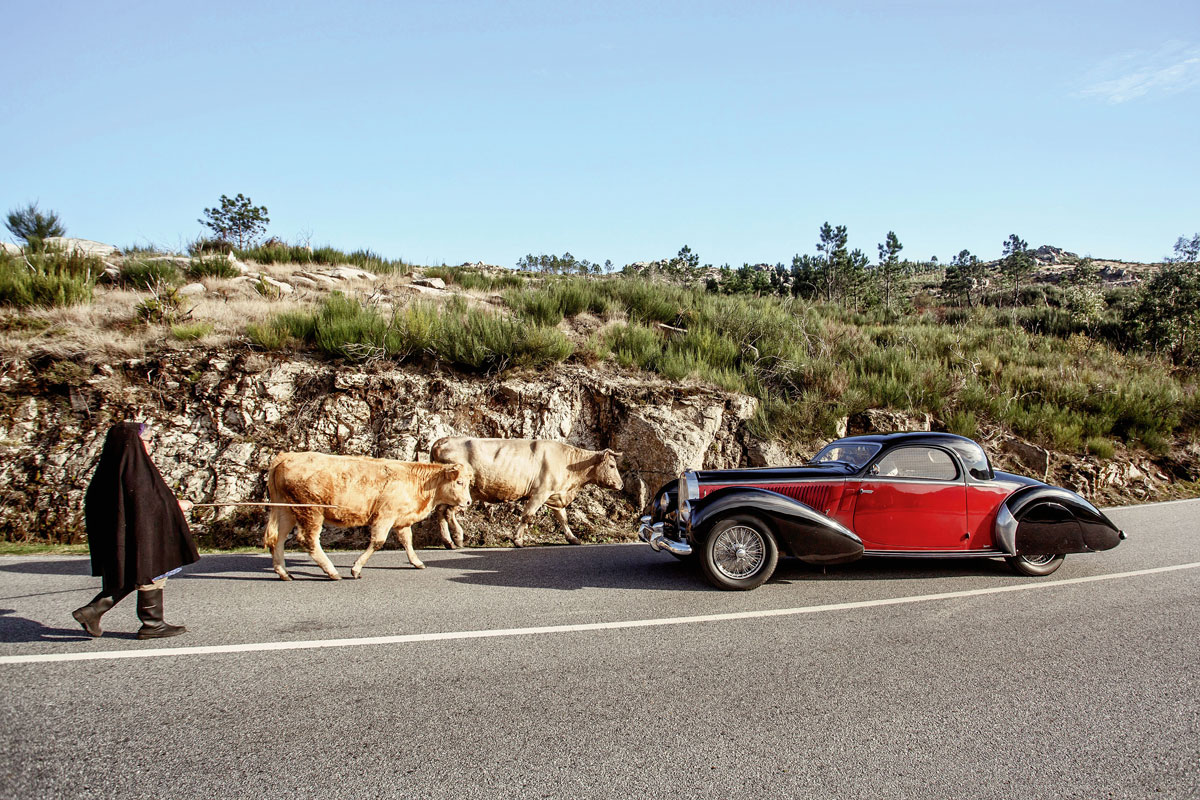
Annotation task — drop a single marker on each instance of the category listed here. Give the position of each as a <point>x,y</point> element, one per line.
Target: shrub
<point>148,274</point>
<point>163,307</point>
<point>210,267</point>
<point>1101,448</point>
<point>189,332</point>
<point>48,279</point>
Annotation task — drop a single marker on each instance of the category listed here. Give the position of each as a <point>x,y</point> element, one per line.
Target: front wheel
<point>1035,565</point>
<point>740,553</point>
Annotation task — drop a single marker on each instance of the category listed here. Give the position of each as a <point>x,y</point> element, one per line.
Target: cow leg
<point>533,504</point>
<point>458,531</point>
<point>282,521</point>
<point>561,513</point>
<point>379,533</point>
<point>312,533</point>
<point>443,517</point>
<point>405,535</point>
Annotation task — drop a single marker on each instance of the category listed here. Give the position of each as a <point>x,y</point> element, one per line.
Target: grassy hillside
<point>810,363</point>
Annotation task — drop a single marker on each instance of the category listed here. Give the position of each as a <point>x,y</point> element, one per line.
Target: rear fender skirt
<point>801,532</point>
<point>1048,520</point>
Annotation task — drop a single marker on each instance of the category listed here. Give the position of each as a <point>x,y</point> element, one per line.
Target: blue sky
<point>452,132</point>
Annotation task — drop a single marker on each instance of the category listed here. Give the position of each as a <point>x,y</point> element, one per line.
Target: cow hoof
<point>450,546</point>
<point>574,541</point>
<point>285,577</point>
<point>356,574</point>
<point>335,577</point>
<point>418,566</point>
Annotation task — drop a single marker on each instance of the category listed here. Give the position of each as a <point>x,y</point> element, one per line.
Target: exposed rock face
<point>221,417</point>
<point>85,246</point>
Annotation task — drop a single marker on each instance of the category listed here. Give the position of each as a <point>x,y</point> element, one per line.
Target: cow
<point>355,490</point>
<point>538,471</point>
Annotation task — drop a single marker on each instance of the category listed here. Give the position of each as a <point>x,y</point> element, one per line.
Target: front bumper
<point>652,534</point>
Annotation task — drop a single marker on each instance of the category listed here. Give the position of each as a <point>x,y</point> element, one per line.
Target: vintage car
<point>899,495</point>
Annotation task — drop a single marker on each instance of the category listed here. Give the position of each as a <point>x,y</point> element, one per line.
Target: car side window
<point>927,463</point>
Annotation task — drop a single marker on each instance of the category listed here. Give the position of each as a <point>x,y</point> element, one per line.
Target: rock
<point>351,274</point>
<point>416,288</point>
<point>11,249</point>
<point>303,282</point>
<point>1036,459</point>
<point>317,277</point>
<point>879,420</point>
<point>432,283</point>
<point>277,285</point>
<point>192,289</point>
<point>768,454</point>
<point>85,246</point>
<point>666,440</point>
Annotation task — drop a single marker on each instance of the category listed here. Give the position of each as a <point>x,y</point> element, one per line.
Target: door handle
<point>866,491</point>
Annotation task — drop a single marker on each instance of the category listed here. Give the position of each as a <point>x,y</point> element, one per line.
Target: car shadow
<point>568,568</point>
<point>891,569</point>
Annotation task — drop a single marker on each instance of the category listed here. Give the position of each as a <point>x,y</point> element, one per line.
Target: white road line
<point>1152,505</point>
<point>258,647</point>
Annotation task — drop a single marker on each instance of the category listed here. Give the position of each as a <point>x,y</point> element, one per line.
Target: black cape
<point>136,530</point>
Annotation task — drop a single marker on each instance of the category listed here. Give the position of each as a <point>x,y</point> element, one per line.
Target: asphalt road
<point>872,683</point>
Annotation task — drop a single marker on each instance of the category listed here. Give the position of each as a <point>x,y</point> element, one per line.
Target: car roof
<point>913,437</point>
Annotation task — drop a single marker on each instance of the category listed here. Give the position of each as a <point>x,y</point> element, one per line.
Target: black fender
<point>1050,520</point>
<point>800,530</point>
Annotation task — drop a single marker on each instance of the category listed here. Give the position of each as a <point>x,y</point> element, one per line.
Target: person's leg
<point>150,612</point>
<point>89,616</point>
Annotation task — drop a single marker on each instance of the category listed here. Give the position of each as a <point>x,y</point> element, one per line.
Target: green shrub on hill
<point>48,278</point>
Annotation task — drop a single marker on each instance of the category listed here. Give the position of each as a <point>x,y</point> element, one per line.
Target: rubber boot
<point>89,615</point>
<point>150,612</point>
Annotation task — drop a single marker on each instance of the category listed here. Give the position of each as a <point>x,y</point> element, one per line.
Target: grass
<point>48,279</point>
<point>278,253</point>
<point>210,267</point>
<point>467,338</point>
<point>475,280</point>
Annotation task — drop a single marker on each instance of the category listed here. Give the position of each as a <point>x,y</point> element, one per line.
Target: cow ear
<point>456,470</point>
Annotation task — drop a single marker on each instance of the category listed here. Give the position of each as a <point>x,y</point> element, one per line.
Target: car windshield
<point>853,453</point>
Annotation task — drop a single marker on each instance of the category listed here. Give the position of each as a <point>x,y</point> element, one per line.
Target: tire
<point>1035,565</point>
<point>739,554</point>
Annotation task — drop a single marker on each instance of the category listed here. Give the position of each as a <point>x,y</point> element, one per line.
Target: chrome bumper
<point>653,535</point>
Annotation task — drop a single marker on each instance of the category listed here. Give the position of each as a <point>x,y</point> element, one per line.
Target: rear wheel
<point>740,553</point>
<point>1035,565</point>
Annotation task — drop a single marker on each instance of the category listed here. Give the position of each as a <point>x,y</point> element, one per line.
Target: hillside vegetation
<point>1074,365</point>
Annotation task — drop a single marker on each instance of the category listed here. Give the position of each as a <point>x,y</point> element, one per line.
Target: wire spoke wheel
<point>739,552</point>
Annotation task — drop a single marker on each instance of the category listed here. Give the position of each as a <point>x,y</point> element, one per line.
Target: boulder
<point>881,420</point>
<point>11,248</point>
<point>192,289</point>
<point>85,246</point>
<point>1035,459</point>
<point>351,274</point>
<point>432,283</point>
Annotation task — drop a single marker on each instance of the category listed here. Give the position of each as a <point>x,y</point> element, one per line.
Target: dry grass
<point>105,330</point>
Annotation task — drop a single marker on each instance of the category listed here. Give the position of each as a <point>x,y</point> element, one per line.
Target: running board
<point>936,553</point>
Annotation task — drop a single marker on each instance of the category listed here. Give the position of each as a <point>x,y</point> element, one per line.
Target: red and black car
<point>925,495</point>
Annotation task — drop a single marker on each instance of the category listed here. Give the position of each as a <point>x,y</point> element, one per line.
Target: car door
<point>913,498</point>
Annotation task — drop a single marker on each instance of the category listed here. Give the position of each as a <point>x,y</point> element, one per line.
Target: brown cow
<point>384,494</point>
<point>538,471</point>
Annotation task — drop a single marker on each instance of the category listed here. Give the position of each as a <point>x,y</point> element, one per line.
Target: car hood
<point>773,474</point>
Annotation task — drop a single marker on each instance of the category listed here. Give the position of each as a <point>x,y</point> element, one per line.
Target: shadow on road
<point>19,629</point>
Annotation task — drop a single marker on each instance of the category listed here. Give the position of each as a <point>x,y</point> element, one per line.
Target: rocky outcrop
<point>85,246</point>
<point>221,417</point>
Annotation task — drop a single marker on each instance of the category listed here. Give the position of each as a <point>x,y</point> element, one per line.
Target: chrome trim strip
<point>693,485</point>
<point>934,553</point>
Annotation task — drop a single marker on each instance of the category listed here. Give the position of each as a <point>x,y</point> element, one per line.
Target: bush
<point>189,332</point>
<point>148,274</point>
<point>210,267</point>
<point>1101,448</point>
<point>48,279</point>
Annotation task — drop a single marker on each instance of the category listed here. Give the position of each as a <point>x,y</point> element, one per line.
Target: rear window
<point>974,460</point>
<point>856,454</point>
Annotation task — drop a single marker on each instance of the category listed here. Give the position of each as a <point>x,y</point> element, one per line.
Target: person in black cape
<point>136,533</point>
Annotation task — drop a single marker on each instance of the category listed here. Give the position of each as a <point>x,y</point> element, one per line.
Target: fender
<point>1049,520</point>
<point>801,531</point>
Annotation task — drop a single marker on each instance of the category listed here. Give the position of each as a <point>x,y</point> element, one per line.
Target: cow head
<point>606,473</point>
<point>456,485</point>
